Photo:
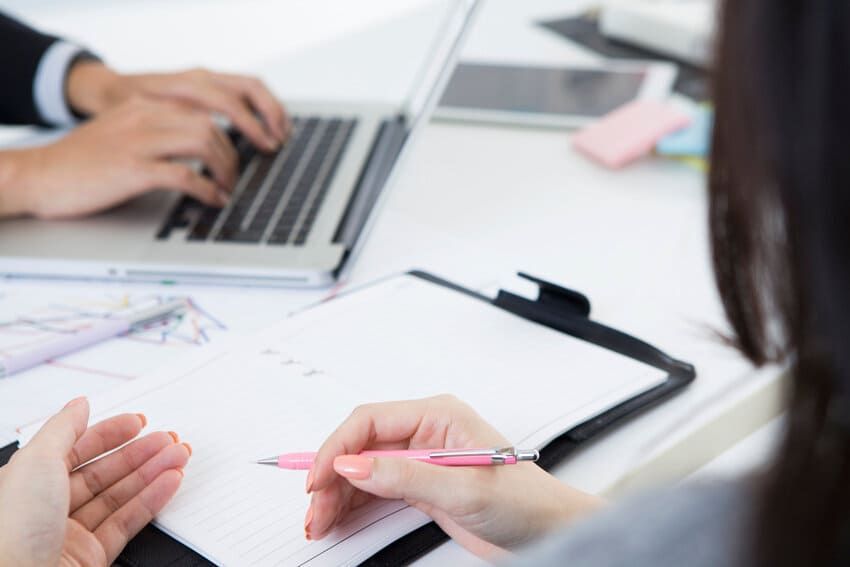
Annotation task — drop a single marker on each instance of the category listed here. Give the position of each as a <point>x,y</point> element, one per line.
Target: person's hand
<point>56,509</point>
<point>485,509</point>
<point>94,88</point>
<point>121,154</point>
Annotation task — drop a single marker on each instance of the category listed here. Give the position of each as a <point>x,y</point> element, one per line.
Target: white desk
<point>477,203</point>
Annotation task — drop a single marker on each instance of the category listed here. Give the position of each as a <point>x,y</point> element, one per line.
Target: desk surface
<point>477,203</point>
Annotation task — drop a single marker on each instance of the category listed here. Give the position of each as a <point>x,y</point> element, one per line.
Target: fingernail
<point>309,481</point>
<point>308,519</point>
<point>143,419</point>
<point>75,401</point>
<point>174,436</point>
<point>188,448</point>
<point>182,474</point>
<point>272,143</point>
<point>354,466</point>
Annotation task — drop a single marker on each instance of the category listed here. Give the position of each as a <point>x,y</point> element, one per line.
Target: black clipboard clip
<point>554,298</point>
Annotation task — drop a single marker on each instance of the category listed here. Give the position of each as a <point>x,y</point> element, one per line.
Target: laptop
<point>296,218</point>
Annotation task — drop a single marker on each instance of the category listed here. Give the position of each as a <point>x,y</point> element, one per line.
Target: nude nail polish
<point>308,519</point>
<point>309,486</point>
<point>143,419</point>
<point>354,466</point>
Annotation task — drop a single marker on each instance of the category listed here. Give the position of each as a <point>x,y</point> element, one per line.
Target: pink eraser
<point>629,132</point>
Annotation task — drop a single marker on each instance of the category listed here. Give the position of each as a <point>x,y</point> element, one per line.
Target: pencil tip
<point>268,461</point>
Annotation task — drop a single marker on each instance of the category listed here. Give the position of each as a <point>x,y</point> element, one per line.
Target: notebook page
<point>287,388</point>
<point>234,408</point>
<point>529,381</point>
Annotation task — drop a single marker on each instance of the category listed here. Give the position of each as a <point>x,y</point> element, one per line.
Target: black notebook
<point>538,369</point>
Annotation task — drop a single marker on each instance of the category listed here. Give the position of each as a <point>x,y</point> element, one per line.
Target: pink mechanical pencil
<point>444,457</point>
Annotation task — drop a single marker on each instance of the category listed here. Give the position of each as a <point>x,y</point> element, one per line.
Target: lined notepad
<point>287,388</point>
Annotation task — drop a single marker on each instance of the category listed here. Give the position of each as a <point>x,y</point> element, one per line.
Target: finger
<point>258,95</point>
<point>359,498</point>
<point>127,521</point>
<point>94,478</point>
<point>415,482</point>
<point>326,507</point>
<point>194,135</point>
<point>56,437</point>
<point>95,512</point>
<point>235,107</point>
<point>230,158</point>
<point>104,437</point>
<point>372,423</point>
<point>181,177</point>
<point>354,502</point>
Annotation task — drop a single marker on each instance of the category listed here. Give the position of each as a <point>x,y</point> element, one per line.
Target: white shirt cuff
<point>49,84</point>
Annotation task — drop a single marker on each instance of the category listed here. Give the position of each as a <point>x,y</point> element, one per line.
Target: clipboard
<point>557,308</point>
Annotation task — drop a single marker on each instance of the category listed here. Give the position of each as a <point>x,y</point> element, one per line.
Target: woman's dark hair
<point>780,230</point>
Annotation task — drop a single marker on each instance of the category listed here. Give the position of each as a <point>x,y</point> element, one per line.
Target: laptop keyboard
<point>278,196</point>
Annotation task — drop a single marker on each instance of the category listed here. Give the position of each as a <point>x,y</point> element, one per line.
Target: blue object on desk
<point>694,140</point>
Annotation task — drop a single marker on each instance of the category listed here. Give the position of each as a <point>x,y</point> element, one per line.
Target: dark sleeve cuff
<point>21,50</point>
<point>35,69</point>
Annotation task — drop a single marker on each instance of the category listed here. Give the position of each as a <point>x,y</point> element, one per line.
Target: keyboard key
<point>325,182</point>
<point>312,154</point>
<point>204,224</point>
<point>287,222</point>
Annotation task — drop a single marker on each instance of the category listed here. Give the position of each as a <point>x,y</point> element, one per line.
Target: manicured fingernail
<point>354,466</point>
<point>182,474</point>
<point>309,481</point>
<point>143,419</point>
<point>308,519</point>
<point>174,436</point>
<point>75,401</point>
<point>188,448</point>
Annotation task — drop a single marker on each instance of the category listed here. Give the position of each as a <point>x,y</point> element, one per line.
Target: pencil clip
<point>497,456</point>
<point>464,453</point>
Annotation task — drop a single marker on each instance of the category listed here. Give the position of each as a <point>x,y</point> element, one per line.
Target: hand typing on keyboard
<point>246,102</point>
<point>139,124</point>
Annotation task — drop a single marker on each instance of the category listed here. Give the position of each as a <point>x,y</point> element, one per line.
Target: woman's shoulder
<point>695,524</point>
